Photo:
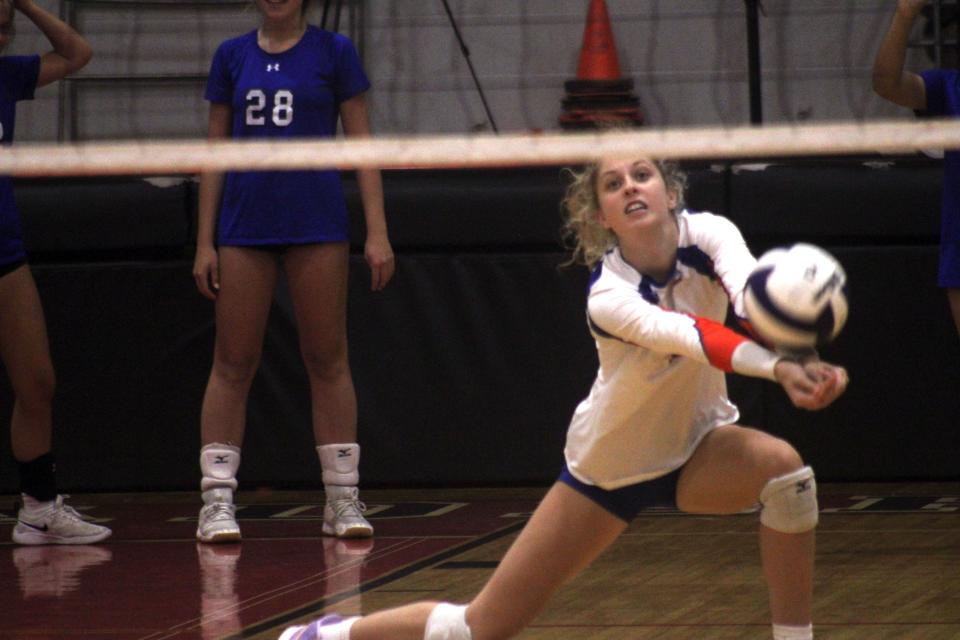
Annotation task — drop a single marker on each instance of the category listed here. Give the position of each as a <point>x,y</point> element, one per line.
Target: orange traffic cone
<point>599,96</point>
<point>598,55</point>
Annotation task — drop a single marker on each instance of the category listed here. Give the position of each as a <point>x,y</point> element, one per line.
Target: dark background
<point>469,364</point>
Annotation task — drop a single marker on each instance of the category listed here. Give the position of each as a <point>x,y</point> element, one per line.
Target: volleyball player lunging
<point>287,79</point>
<point>24,348</point>
<point>657,427</point>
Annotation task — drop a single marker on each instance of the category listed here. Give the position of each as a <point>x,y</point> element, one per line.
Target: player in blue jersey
<point>657,428</point>
<point>933,93</point>
<point>43,517</point>
<point>286,79</point>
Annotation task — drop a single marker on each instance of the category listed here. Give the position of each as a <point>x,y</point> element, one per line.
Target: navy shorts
<point>11,267</point>
<point>627,502</point>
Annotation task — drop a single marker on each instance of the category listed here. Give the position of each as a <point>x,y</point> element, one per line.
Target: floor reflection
<point>54,571</point>
<point>219,602</point>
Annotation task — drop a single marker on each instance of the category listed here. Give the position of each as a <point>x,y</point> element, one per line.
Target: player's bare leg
<point>727,474</point>
<point>953,297</point>
<point>317,276</point>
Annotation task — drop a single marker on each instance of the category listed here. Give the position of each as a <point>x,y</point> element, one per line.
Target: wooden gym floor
<point>888,567</point>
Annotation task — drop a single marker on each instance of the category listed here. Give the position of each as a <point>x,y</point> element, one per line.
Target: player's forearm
<point>211,188</point>
<point>888,64</point>
<point>371,194</point>
<point>66,42</point>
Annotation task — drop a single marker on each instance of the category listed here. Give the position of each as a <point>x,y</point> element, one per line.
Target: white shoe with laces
<point>218,520</point>
<point>343,514</point>
<point>57,523</point>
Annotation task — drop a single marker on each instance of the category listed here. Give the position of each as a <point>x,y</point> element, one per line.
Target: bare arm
<point>71,52</point>
<point>205,267</point>
<point>890,80</point>
<point>378,252</point>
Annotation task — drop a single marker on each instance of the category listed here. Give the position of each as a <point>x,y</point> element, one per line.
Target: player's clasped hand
<point>811,385</point>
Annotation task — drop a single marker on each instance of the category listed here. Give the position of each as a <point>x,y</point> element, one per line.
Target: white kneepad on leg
<point>790,502</point>
<point>447,622</point>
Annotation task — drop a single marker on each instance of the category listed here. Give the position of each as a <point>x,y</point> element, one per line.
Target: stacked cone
<point>599,96</point>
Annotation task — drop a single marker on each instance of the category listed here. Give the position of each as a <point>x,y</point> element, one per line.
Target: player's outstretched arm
<point>811,385</point>
<point>890,80</point>
<point>71,52</point>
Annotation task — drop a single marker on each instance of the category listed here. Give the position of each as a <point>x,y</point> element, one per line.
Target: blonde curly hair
<point>582,232</point>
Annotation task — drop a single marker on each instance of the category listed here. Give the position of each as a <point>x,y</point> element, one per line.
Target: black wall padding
<point>852,201</point>
<point>71,217</point>
<point>469,365</point>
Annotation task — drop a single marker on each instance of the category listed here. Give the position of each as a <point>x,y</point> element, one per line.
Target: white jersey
<point>663,351</point>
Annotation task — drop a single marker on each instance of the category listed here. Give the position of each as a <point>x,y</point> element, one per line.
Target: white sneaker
<point>217,521</point>
<point>57,524</point>
<point>343,514</point>
<point>310,631</point>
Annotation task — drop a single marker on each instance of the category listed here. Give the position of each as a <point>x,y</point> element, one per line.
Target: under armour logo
<point>803,485</point>
<point>221,460</point>
<point>273,67</point>
<point>343,453</point>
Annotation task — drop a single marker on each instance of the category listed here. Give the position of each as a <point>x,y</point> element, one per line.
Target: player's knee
<point>234,369</point>
<point>447,622</point>
<point>790,502</point>
<point>778,457</point>
<point>327,363</point>
<point>35,390</point>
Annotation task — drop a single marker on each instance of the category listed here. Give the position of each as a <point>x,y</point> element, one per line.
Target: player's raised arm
<point>890,80</point>
<point>71,52</point>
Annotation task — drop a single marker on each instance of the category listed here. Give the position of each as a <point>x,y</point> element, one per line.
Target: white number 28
<point>281,114</point>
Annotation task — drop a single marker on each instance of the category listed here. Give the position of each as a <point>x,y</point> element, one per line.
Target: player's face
<point>278,10</point>
<point>632,195</point>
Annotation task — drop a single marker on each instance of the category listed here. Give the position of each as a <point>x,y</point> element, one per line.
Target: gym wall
<point>468,366</point>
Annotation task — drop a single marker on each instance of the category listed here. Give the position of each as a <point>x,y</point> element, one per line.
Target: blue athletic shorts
<point>10,267</point>
<point>627,502</point>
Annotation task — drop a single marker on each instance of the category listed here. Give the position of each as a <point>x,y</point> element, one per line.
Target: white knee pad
<point>447,622</point>
<point>219,464</point>
<point>790,502</point>
<point>340,463</point>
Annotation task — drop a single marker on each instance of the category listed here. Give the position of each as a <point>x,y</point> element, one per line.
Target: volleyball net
<point>481,150</point>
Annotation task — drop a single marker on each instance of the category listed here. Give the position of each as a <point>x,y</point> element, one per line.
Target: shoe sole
<point>36,538</point>
<point>219,537</point>
<point>291,633</point>
<point>350,532</point>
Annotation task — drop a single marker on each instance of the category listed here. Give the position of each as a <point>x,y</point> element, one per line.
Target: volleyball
<point>796,297</point>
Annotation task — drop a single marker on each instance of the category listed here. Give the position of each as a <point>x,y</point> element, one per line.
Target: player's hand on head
<point>379,256</point>
<point>206,272</point>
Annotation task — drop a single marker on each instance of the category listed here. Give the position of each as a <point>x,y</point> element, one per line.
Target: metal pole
<point>466,56</point>
<point>753,55</point>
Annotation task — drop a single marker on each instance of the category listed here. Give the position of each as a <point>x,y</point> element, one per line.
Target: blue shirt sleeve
<point>940,85</point>
<point>350,79</point>
<point>219,82</point>
<point>20,75</point>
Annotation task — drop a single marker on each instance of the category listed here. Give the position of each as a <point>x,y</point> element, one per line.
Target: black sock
<point>38,478</point>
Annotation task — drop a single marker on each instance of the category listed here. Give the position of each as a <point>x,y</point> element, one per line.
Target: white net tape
<point>193,156</point>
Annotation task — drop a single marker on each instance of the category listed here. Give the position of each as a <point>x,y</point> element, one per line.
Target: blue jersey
<point>943,100</point>
<point>294,94</point>
<point>18,80</point>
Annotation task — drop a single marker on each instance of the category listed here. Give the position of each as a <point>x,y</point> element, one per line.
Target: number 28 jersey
<point>293,94</point>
